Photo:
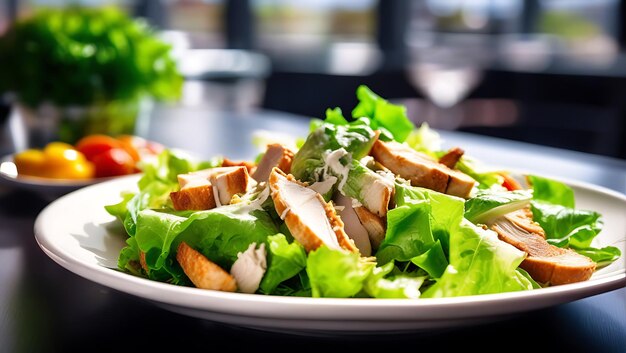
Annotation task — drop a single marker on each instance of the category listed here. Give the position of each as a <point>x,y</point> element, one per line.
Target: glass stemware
<point>445,73</point>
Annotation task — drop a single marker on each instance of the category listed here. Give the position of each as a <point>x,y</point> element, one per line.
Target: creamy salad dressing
<point>367,160</point>
<point>332,161</point>
<point>257,203</point>
<point>249,268</point>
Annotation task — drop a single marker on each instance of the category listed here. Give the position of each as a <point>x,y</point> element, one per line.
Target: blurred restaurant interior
<point>550,72</point>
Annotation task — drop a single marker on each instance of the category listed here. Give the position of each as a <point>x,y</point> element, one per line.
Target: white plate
<point>76,232</point>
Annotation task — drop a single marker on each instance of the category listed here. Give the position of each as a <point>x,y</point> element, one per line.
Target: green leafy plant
<point>77,56</point>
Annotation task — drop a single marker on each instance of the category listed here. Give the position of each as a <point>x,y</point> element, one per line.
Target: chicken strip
<point>375,226</point>
<point>202,272</point>
<point>229,183</point>
<point>352,224</point>
<point>209,188</point>
<point>451,158</point>
<point>545,262</point>
<point>311,220</point>
<point>276,155</point>
<point>421,169</point>
<point>194,198</point>
<point>250,166</point>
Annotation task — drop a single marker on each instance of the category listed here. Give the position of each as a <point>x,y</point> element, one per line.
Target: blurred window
<point>529,34</point>
<point>573,19</point>
<point>463,16</point>
<point>309,27</point>
<point>584,28</point>
<point>201,20</point>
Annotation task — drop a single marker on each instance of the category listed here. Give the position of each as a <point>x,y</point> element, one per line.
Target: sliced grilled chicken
<point>276,155</point>
<point>375,226</point>
<point>452,157</point>
<point>545,262</point>
<point>459,183</point>
<point>421,169</point>
<point>200,177</point>
<point>194,198</point>
<point>378,196</point>
<point>230,182</point>
<point>523,218</point>
<point>311,220</point>
<point>352,225</point>
<point>250,166</point>
<point>197,178</point>
<point>210,188</point>
<point>202,272</point>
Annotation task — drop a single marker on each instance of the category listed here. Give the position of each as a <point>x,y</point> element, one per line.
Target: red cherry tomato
<point>93,145</point>
<point>131,144</point>
<point>138,146</point>
<point>113,162</point>
<point>510,183</point>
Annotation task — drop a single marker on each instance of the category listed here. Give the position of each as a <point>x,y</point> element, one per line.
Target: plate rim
<point>222,302</point>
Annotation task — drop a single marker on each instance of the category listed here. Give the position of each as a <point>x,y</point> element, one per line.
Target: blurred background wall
<point>551,72</point>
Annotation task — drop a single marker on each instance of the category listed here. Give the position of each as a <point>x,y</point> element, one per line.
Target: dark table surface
<point>45,308</point>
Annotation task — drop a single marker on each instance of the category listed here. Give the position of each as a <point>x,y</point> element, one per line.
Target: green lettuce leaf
<point>446,210</point>
<point>425,140</point>
<point>603,256</point>
<point>479,264</point>
<point>120,209</point>
<point>553,207</point>
<point>335,116</point>
<point>383,114</point>
<point>159,179</point>
<point>380,285</point>
<point>285,260</point>
<point>128,259</point>
<point>297,286</point>
<point>219,234</point>
<point>567,227</point>
<point>551,191</point>
<point>489,204</point>
<point>419,228</point>
<point>336,273</point>
<point>433,260</point>
<point>307,163</point>
<point>408,233</point>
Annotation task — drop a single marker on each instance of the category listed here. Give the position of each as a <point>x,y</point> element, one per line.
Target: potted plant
<point>79,70</point>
